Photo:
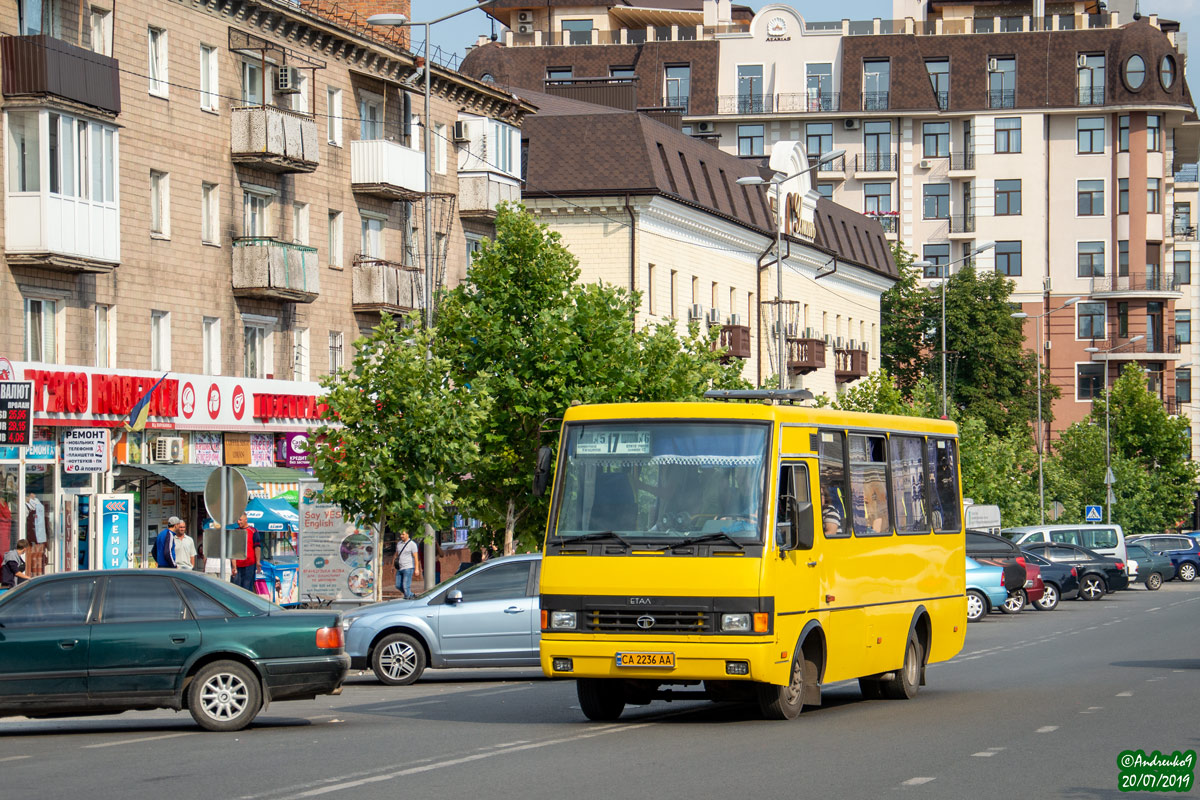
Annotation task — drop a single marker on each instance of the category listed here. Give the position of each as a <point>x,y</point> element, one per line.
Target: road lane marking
<point>1047,729</point>
<point>917,781</point>
<point>13,758</point>
<point>1156,608</point>
<point>1124,694</point>
<point>136,741</point>
<point>504,691</point>
<point>984,754</point>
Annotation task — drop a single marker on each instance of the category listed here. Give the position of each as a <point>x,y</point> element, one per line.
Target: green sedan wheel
<point>224,696</point>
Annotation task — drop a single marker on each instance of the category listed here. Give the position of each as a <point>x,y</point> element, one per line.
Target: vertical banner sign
<point>116,530</point>
<point>16,413</point>
<point>337,557</point>
<point>85,450</point>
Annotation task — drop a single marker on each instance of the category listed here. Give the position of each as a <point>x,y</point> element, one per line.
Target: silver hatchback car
<point>487,616</point>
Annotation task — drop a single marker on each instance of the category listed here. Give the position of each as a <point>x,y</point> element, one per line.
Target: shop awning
<point>189,477</point>
<point>274,474</point>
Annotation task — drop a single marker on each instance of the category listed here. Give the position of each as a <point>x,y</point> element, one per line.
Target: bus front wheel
<point>601,700</point>
<point>785,702</point>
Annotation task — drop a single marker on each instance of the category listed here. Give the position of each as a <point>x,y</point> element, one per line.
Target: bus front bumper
<point>758,659</point>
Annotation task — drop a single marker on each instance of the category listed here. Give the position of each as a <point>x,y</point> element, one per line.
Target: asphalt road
<point>1037,705</point>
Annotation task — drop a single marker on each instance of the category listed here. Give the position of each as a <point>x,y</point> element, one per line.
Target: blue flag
<point>141,409</point>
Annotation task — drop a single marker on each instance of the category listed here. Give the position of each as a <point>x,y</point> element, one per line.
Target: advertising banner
<point>85,450</point>
<point>207,449</point>
<point>16,413</point>
<point>337,557</point>
<point>292,450</point>
<point>116,530</point>
<point>262,449</point>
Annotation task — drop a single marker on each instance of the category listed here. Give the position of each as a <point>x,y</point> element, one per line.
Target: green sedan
<point>108,641</point>
<point>1148,567</point>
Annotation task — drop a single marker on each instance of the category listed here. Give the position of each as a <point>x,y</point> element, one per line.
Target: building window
<point>825,190</point>
<point>1181,218</point>
<point>300,223</point>
<point>210,333</point>
<point>41,330</point>
<point>1123,320</point>
<point>209,213</point>
<point>1135,72</point>
<point>439,148</point>
<point>1183,326</point>
<point>877,145</point>
<point>936,139</point>
<point>1089,381</point>
<point>160,340</point>
<point>1123,258</point>
<point>209,86</point>
<point>1153,133</point>
<point>371,243</point>
<point>1091,80</point>
<point>819,82</point>
<point>877,83</point>
<point>939,77</point>
<point>751,140</point>
<point>678,85</point>
<point>1008,197</point>
<point>254,91</point>
<point>333,121</point>
<point>1008,258</point>
<point>157,39</point>
<point>254,351</point>
<point>336,357</point>
<point>1123,133</point>
<point>104,350</point>
<point>651,293</point>
<point>1008,135</point>
<point>507,157</point>
<point>300,351</point>
<point>160,204</point>
<point>937,256</point>
<point>577,31</point>
<point>1090,322</point>
<point>1183,267</point>
<point>819,139</point>
<point>100,28</point>
<point>1122,195</point>
<point>1154,195</point>
<point>335,239</point>
<point>256,214</point>
<point>1183,388</point>
<point>1002,82</point>
<point>1090,260</point>
<point>1090,196</point>
<point>559,73</point>
<point>751,99</point>
<point>474,245</point>
<point>24,152</point>
<point>1089,135</point>
<point>370,116</point>
<point>937,201</point>
<point>622,72</point>
<point>877,198</point>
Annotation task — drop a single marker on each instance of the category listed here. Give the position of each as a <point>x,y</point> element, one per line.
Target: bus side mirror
<point>800,514</point>
<point>541,475</point>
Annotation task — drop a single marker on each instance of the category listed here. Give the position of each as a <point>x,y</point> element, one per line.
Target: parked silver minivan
<point>1108,540</point>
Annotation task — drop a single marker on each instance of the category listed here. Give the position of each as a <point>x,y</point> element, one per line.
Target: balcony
<point>735,340</point>
<point>1002,99</point>
<point>812,101</point>
<point>849,364</point>
<point>612,92</point>
<point>942,99</point>
<point>274,139</point>
<point>805,355</point>
<point>962,162</point>
<point>1090,96</point>
<point>888,220</point>
<point>746,104</point>
<point>875,162</point>
<point>387,170</point>
<point>833,169</point>
<point>1183,232</point>
<point>962,223</point>
<point>875,101</point>
<point>480,193</point>
<point>42,66</point>
<point>1166,346</point>
<point>269,269</point>
<point>1151,283</point>
<point>386,287</point>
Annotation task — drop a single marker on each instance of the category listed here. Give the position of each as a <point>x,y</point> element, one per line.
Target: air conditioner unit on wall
<point>525,27</point>
<point>696,312</point>
<point>460,131</point>
<point>735,319</point>
<point>287,81</point>
<point>705,127</point>
<point>850,124</point>
<point>993,65</point>
<point>714,316</point>
<point>525,15</point>
<point>924,163</point>
<point>1081,60</point>
<point>791,330</point>
<point>168,449</point>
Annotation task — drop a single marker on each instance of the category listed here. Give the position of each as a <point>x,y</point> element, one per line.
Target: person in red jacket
<point>245,568</point>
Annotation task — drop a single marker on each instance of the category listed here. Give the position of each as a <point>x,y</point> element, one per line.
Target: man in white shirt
<point>185,548</point>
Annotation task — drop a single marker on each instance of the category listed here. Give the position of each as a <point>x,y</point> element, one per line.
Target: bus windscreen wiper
<point>710,537</point>
<point>591,537</point>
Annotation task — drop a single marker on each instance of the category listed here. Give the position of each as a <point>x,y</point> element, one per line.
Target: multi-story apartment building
<point>226,194</point>
<point>1057,131</point>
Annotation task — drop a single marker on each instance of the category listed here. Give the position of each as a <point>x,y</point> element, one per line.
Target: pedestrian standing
<point>164,545</point>
<point>408,565</point>
<point>185,548</point>
<point>245,568</point>
<point>12,568</point>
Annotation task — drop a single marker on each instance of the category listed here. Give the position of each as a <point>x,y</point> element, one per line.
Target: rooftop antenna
<point>1137,10</point>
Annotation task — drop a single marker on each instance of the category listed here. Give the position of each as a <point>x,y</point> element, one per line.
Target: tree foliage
<point>397,432</point>
<point>903,327</point>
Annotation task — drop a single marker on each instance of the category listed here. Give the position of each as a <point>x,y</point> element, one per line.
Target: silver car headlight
<point>735,622</point>
<point>562,620</point>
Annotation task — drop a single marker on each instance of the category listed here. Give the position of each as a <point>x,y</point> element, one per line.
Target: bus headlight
<point>737,623</point>
<point>562,620</point>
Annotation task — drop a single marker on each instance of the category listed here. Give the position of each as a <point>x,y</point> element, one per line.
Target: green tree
<point>903,327</point>
<point>397,432</point>
<point>1154,479</point>
<point>875,394</point>
<point>543,341</point>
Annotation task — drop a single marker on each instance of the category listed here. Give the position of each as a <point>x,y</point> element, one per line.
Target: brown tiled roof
<point>579,149</point>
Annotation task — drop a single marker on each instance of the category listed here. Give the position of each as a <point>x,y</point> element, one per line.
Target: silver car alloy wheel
<point>224,696</point>
<point>398,660</point>
<point>975,607</point>
<point>1092,588</point>
<point>1049,598</point>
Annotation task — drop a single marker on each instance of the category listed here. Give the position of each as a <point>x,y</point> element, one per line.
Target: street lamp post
<point>1040,427</point>
<point>946,279</point>
<point>1109,478</point>
<point>777,181</point>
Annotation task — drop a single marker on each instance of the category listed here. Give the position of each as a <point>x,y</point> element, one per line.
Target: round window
<point>1166,72</point>
<point>488,78</point>
<point>1135,72</point>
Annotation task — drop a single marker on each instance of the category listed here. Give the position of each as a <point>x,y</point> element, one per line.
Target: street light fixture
<point>1040,427</point>
<point>1109,479</point>
<point>777,181</point>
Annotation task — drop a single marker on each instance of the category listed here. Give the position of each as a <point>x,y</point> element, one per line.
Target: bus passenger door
<point>799,586</point>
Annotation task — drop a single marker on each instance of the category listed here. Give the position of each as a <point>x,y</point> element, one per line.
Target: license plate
<point>646,660</point>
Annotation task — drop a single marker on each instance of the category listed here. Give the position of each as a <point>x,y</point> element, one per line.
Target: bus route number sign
<point>16,413</point>
<point>605,443</point>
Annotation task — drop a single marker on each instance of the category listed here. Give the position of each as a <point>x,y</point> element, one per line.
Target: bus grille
<point>665,621</point>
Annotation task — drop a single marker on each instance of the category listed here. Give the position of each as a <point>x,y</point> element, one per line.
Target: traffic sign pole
<point>1093,514</point>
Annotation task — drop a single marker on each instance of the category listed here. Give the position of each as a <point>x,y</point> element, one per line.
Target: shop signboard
<point>262,449</point>
<point>292,450</point>
<point>207,449</point>
<point>116,530</point>
<point>237,448</point>
<point>16,413</point>
<point>85,450</point>
<point>337,557</point>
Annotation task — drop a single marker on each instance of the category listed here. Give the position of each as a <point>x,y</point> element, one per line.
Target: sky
<point>457,34</point>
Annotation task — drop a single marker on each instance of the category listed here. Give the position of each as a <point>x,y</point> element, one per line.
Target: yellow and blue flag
<point>141,409</point>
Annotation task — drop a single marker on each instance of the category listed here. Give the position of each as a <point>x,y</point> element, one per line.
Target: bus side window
<point>947,501</point>
<point>908,484</point>
<point>832,478</point>
<point>782,525</point>
<point>793,483</point>
<point>869,485</point>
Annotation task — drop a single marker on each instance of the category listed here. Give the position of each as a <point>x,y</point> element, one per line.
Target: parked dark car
<point>987,548</point>
<point>103,642</point>
<point>1147,567</point>
<point>1098,575</point>
<point>1060,581</point>
<point>1183,550</point>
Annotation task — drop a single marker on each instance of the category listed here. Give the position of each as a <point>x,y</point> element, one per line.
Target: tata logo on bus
<point>793,222</point>
<point>117,506</point>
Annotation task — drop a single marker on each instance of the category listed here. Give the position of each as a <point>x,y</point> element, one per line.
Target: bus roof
<point>803,415</point>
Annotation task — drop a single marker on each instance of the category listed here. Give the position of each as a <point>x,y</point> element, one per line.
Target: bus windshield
<point>638,482</point>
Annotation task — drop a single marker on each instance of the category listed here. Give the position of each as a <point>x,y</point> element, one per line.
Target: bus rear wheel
<point>906,682</point>
<point>601,700</point>
<point>785,702</point>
